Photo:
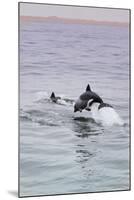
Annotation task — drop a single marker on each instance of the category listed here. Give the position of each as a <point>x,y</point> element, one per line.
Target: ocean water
<point>62,151</point>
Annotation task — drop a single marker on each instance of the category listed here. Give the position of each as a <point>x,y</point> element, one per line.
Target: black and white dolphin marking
<point>100,106</point>
<point>103,105</point>
<point>54,98</point>
<point>82,102</point>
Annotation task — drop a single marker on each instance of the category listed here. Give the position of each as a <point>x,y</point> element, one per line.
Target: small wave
<point>84,119</point>
<point>84,152</point>
<point>46,123</point>
<point>37,116</point>
<point>86,135</point>
<point>35,113</point>
<point>39,121</point>
<point>31,74</point>
<point>111,46</point>
<point>116,54</point>
<point>25,118</point>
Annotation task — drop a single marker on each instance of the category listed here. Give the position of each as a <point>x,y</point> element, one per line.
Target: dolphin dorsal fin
<point>52,95</point>
<point>88,88</point>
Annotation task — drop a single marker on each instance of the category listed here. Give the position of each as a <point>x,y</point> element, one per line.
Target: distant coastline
<point>72,21</point>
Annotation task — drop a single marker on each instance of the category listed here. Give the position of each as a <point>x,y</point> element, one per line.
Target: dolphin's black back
<point>86,96</point>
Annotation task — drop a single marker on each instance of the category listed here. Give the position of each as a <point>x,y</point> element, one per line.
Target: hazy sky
<point>101,14</point>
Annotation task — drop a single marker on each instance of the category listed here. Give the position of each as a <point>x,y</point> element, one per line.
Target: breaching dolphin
<point>82,101</point>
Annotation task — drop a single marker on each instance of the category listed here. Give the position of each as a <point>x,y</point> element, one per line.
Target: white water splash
<point>62,102</point>
<point>106,115</point>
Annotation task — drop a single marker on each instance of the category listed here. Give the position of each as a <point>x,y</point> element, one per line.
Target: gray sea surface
<point>62,151</point>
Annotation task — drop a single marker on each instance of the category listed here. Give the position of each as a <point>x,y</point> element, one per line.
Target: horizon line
<point>73,20</point>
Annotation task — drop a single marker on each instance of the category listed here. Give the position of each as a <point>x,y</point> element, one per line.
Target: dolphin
<point>85,98</point>
<point>54,98</point>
